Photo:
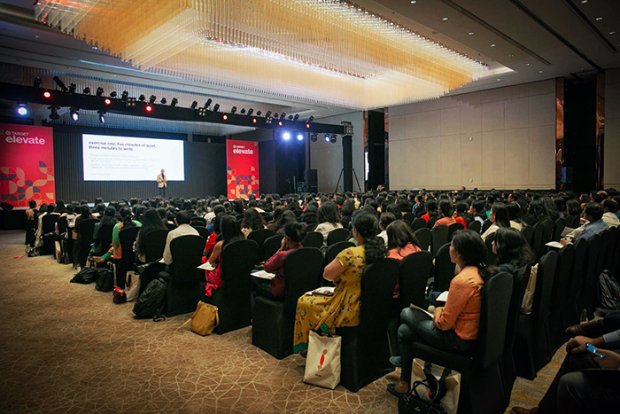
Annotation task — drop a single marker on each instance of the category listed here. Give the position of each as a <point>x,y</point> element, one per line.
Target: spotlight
<point>216,107</point>
<point>268,114</point>
<point>250,111</point>
<point>124,95</point>
<point>290,117</point>
<point>208,103</point>
<point>233,110</point>
<point>194,105</point>
<point>163,101</point>
<point>60,84</point>
<point>37,82</point>
<point>22,110</point>
<point>314,137</point>
<point>309,121</point>
<point>326,137</point>
<point>280,123</point>
<point>107,101</point>
<point>286,136</point>
<point>152,99</point>
<point>142,98</point>
<point>242,111</point>
<point>276,116</point>
<point>148,108</point>
<point>333,138</point>
<point>86,91</point>
<point>47,95</point>
<point>254,120</point>
<point>307,125</point>
<point>174,102</point>
<point>75,114</point>
<point>296,117</point>
<point>300,136</point>
<point>113,94</point>
<point>130,102</point>
<point>259,113</point>
<point>99,91</point>
<point>101,116</point>
<point>202,112</point>
<point>225,117</point>
<point>282,115</point>
<point>54,113</point>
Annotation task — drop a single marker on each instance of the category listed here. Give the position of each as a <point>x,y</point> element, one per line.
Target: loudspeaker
<point>347,162</point>
<point>312,181</point>
<point>6,206</point>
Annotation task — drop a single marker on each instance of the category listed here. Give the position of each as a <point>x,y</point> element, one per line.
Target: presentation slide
<point>108,158</point>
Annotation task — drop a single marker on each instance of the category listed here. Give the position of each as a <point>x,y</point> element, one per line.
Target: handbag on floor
<point>434,390</point>
<point>133,286</point>
<point>105,280</point>
<point>118,295</point>
<point>204,319</point>
<point>323,361</point>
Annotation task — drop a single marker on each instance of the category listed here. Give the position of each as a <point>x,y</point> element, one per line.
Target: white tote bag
<point>450,401</point>
<point>323,361</point>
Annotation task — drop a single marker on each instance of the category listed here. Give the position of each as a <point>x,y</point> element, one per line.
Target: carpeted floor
<point>66,348</point>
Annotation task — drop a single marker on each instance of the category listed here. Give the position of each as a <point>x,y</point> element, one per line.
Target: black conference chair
<point>198,221</point>
<point>532,343</point>
<point>418,223</point>
<point>453,228</point>
<point>474,226</point>
<point>330,254</point>
<point>184,279</point>
<point>48,233</point>
<point>588,294</point>
<point>414,272</point>
<point>538,240</point>
<point>485,226</point>
<point>127,237</point>
<point>259,236</point>
<point>271,245</point>
<point>424,236</point>
<point>274,320</point>
<point>573,314</point>
<point>439,238</point>
<point>233,299</point>
<point>409,217</point>
<point>338,235</point>
<point>365,349</point>
<point>558,228</point>
<point>313,239</point>
<point>528,235</point>
<point>491,257</point>
<point>105,238</point>
<point>481,384</point>
<point>444,269</point>
<point>85,238</point>
<point>561,293</point>
<point>154,245</point>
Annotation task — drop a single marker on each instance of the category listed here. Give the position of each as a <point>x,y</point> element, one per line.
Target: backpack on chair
<point>150,303</point>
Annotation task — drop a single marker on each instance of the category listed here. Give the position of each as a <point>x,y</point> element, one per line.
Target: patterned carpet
<point>67,348</point>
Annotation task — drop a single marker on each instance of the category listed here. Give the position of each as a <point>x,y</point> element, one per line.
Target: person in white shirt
<point>329,219</point>
<point>183,229</point>
<point>610,212</point>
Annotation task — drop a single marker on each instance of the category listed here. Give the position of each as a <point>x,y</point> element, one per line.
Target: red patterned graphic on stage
<point>26,164</point>
<point>241,168</point>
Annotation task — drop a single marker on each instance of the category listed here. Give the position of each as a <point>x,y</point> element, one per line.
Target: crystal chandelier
<point>316,51</point>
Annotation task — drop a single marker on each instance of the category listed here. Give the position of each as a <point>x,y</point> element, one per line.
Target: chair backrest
<point>302,269</point>
<point>204,233</point>
<point>378,281</point>
<point>409,217</point>
<point>494,309</point>
<point>313,239</point>
<point>333,250</point>
<point>127,236</point>
<point>238,259</point>
<point>259,236</point>
<point>424,237</point>
<point>439,238</point>
<point>491,257</point>
<point>198,221</point>
<point>154,245</point>
<point>453,228</point>
<point>62,224</point>
<point>444,268</point>
<point>559,225</point>
<point>579,267</point>
<point>485,226</point>
<point>538,236</point>
<point>588,291</point>
<point>271,245</point>
<point>338,235</point>
<point>414,272</point>
<point>520,279</point>
<point>87,228</point>
<point>186,257</point>
<point>105,236</point>
<point>418,223</point>
<point>542,296</point>
<point>549,226</point>
<point>48,223</point>
<point>474,226</point>
<point>528,234</point>
<point>562,284</point>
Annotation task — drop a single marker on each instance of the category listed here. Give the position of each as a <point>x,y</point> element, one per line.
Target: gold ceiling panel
<point>322,51</point>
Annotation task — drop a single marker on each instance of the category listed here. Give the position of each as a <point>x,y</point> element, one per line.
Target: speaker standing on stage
<point>162,183</point>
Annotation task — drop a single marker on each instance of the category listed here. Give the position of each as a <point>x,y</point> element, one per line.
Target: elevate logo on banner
<point>241,168</point>
<point>26,164</point>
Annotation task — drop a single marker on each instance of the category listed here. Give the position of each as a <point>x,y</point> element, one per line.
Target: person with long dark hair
<point>512,250</point>
<point>343,307</point>
<point>252,221</point>
<point>329,219</point>
<point>499,217</point>
<point>401,240</point>
<point>108,219</point>
<point>151,221</point>
<point>231,232</point>
<point>454,327</point>
<point>116,251</point>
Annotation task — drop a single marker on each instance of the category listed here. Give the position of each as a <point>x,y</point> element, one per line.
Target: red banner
<point>242,168</point>
<point>26,164</point>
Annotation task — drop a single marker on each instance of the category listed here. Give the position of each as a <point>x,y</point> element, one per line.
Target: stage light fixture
<point>107,101</point>
<point>101,116</point>
<point>124,95</point>
<point>307,125</point>
<point>75,113</point>
<point>326,137</point>
<point>174,102</point>
<point>163,101</point>
<point>148,108</point>
<point>72,87</point>
<point>276,116</point>
<point>286,136</point>
<point>268,114</point>
<point>47,95</point>
<point>250,111</point>
<point>194,105</point>
<point>37,82</point>
<point>333,138</point>
<point>60,84</point>
<point>296,117</point>
<point>290,117</point>
<point>254,120</point>
<point>22,110</point>
<point>309,121</point>
<point>259,113</point>
<point>86,91</point>
<point>216,107</point>
<point>208,103</point>
<point>113,94</point>
<point>282,115</point>
<point>280,123</point>
<point>152,99</point>
<point>130,102</point>
<point>242,112</point>
<point>300,136</point>
<point>142,98</point>
<point>99,91</point>
<point>314,137</point>
<point>225,117</point>
<point>53,113</point>
<point>233,110</point>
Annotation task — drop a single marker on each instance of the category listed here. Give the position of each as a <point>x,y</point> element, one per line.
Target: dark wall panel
<point>205,169</point>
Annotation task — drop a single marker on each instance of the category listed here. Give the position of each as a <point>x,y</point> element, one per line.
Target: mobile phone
<point>592,349</point>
